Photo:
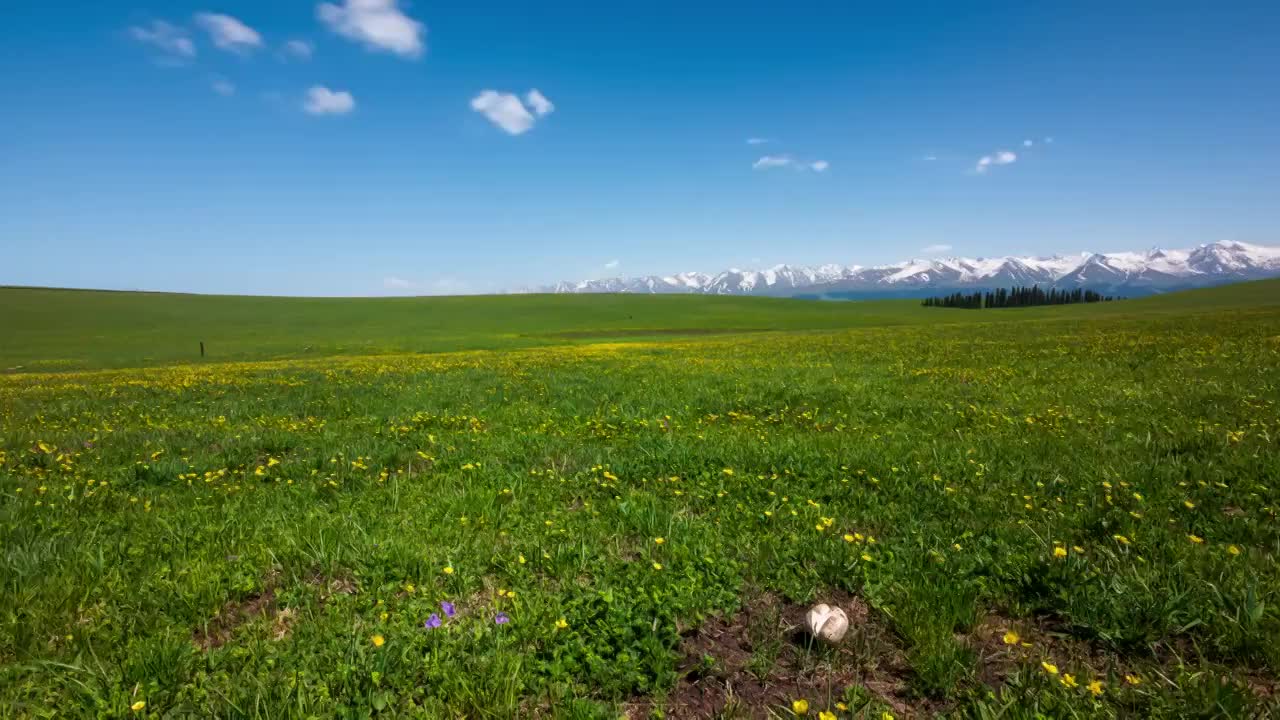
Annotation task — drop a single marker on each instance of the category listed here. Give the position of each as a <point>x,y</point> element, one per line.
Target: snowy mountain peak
<point>1125,273</point>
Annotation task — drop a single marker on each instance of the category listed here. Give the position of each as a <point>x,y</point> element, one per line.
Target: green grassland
<point>43,329</point>
<point>1047,512</point>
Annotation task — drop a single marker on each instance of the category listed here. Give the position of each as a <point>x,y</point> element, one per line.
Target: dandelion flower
<point>659,541</point>
<point>1069,680</point>
<point>138,706</point>
<point>448,570</point>
<point>800,707</point>
<point>1011,638</point>
<point>826,715</point>
<point>1095,687</point>
<point>1049,668</point>
<point>1059,552</point>
<point>848,538</point>
<point>561,624</point>
<point>1133,680</point>
<point>378,640</point>
<point>886,715</point>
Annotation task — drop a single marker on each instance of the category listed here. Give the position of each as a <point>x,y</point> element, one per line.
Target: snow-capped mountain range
<point>1123,273</point>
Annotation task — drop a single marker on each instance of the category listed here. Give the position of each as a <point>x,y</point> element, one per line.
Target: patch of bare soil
<point>756,663</point>
<point>218,630</point>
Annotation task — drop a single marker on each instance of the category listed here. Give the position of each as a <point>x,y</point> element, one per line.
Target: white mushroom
<point>828,623</point>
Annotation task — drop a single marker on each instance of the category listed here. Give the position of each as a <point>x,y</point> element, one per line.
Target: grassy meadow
<point>605,507</point>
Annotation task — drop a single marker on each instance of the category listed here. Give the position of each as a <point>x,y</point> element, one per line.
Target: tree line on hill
<point>1016,297</point>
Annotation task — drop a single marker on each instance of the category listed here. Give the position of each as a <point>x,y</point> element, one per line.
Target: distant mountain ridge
<point>1123,273</point>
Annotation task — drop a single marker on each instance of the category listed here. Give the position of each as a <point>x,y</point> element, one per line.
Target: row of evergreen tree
<point>1016,297</point>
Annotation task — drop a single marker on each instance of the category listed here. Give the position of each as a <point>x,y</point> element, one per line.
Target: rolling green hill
<point>52,329</point>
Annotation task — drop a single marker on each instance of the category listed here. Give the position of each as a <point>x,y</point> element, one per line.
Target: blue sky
<point>175,146</point>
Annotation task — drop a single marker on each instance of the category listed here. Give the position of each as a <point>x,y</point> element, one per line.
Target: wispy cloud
<point>538,103</point>
<point>611,265</point>
<point>377,24</point>
<point>298,49</point>
<point>1048,141</point>
<point>772,161</point>
<point>228,33</point>
<point>507,112</point>
<point>320,100</point>
<point>757,141</point>
<point>223,87</point>
<point>768,162</point>
<point>1001,157</point>
<point>934,249</point>
<point>397,283</point>
<point>170,39</point>
<point>929,158</point>
<point>1028,143</point>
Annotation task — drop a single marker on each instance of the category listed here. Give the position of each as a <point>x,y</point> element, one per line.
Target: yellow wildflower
<point>1095,687</point>
<point>659,541</point>
<point>448,570</point>
<point>826,715</point>
<point>1195,539</point>
<point>1233,549</point>
<point>1068,680</point>
<point>1059,552</point>
<point>378,640</point>
<point>1011,638</point>
<point>1121,539</point>
<point>657,566</point>
<point>848,538</point>
<point>561,624</point>
<point>1049,668</point>
<point>800,707</point>
<point>1133,679</point>
<point>138,706</point>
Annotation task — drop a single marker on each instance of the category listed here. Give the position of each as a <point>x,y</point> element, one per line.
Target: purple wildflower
<point>432,622</point>
<point>447,607</point>
<point>501,618</point>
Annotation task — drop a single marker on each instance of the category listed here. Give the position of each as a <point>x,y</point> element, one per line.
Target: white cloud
<point>1002,157</point>
<point>171,39</point>
<point>757,141</point>
<point>300,49</point>
<point>223,87</point>
<point>934,249</point>
<point>395,283</point>
<point>612,264</point>
<point>323,101</point>
<point>538,103</point>
<point>229,33</point>
<point>1027,143</point>
<point>1048,141</point>
<point>819,165</point>
<point>772,161</point>
<point>507,112</point>
<point>378,24</point>
<point>930,158</point>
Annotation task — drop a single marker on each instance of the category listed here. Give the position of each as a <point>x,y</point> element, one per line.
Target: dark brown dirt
<point>754,664</point>
<point>222,626</point>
